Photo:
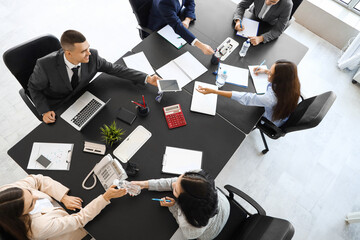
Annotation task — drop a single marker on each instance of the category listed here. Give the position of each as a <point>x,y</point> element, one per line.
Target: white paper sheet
<point>251,28</point>
<point>169,34</point>
<point>179,160</point>
<point>261,80</point>
<point>235,75</point>
<point>58,153</point>
<point>204,103</point>
<point>184,69</point>
<point>138,61</point>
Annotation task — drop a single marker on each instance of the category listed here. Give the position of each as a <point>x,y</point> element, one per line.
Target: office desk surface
<point>134,217</point>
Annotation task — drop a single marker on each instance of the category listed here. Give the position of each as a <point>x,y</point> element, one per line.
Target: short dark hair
<point>70,37</point>
<point>199,199</point>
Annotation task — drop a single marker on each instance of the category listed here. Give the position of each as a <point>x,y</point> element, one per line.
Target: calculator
<point>174,116</point>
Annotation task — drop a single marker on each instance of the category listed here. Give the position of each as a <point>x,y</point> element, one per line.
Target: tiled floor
<point>310,178</point>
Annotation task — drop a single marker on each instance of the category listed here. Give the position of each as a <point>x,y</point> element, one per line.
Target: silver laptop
<point>83,110</point>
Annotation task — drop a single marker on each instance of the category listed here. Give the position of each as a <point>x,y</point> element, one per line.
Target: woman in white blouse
<point>281,97</point>
<point>28,209</point>
<point>200,209</point>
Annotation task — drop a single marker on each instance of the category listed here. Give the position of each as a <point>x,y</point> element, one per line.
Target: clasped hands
<point>254,40</point>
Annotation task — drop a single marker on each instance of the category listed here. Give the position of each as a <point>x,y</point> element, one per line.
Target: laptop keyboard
<point>86,112</point>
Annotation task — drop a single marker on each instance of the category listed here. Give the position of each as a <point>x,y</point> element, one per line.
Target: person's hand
<point>71,202</point>
<point>186,22</point>
<point>112,192</point>
<point>256,40</point>
<point>203,90</point>
<point>167,204</point>
<point>206,49</point>
<point>153,79</point>
<point>260,70</point>
<point>142,184</point>
<point>49,117</point>
<point>239,27</point>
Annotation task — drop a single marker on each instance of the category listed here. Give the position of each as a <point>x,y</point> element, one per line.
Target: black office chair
<point>296,4</point>
<point>308,114</point>
<point>21,61</point>
<point>141,9</point>
<point>243,225</point>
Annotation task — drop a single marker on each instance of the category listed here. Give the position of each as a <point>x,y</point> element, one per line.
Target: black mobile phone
<point>44,161</point>
<point>126,115</point>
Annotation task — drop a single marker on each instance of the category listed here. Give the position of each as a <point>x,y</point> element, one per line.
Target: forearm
<point>163,184</point>
<point>227,94</point>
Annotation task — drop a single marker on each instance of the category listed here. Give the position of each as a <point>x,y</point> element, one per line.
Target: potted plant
<point>111,134</point>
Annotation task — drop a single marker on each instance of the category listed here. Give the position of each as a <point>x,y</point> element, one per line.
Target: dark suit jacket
<point>49,85</point>
<point>278,15</point>
<point>165,12</point>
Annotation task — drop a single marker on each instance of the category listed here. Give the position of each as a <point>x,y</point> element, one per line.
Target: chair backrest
<point>296,4</point>
<point>141,9</point>
<point>21,59</point>
<point>309,113</point>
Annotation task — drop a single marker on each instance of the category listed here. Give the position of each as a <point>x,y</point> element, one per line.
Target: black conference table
<point>134,217</point>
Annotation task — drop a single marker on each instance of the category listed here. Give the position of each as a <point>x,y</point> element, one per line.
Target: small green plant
<point>111,134</point>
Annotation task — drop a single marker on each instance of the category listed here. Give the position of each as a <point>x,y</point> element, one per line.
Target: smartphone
<point>168,86</point>
<point>126,115</point>
<point>44,161</point>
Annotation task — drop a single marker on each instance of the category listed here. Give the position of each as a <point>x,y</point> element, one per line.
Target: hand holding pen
<point>165,202</point>
<point>239,26</point>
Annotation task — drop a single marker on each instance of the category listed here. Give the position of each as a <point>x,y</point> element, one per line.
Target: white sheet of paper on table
<point>261,80</point>
<point>138,61</point>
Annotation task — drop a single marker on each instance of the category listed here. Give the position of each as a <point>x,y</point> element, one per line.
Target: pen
<point>160,200</point>
<point>137,103</point>
<point>259,65</point>
<point>240,23</point>
<point>143,101</point>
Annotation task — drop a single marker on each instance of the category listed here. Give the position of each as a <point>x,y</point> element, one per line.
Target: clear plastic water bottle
<point>244,48</point>
<point>132,189</point>
<point>221,79</point>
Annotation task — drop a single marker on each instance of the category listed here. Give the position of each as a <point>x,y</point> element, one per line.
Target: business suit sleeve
<point>168,12</point>
<point>189,9</point>
<point>240,9</point>
<point>37,83</point>
<point>280,25</point>
<point>118,70</point>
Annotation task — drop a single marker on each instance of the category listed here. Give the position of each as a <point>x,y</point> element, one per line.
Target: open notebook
<point>184,69</point>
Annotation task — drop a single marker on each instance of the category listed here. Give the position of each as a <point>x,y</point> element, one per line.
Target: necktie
<point>75,77</point>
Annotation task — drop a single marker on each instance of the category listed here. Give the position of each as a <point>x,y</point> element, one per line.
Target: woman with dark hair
<point>200,210</point>
<point>28,209</point>
<point>281,97</point>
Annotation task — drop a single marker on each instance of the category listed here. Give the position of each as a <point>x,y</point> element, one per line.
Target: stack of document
<point>58,153</point>
<point>260,81</point>
<point>138,61</point>
<point>169,34</point>
<point>184,69</point>
<point>251,28</point>
<point>235,75</point>
<point>179,160</point>
<point>204,103</point>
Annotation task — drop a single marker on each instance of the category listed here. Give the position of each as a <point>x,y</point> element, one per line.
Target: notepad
<point>184,69</point>
<point>251,28</point>
<point>138,61</point>
<point>260,81</point>
<point>169,34</point>
<point>204,103</point>
<point>58,153</point>
<point>235,75</point>
<point>179,160</point>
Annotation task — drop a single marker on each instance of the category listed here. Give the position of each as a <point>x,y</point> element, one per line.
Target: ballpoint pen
<point>259,65</point>
<point>160,200</point>
<point>143,101</point>
<point>240,23</point>
<point>140,105</point>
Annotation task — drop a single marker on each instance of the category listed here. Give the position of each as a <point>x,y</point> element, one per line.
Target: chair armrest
<point>28,102</point>
<point>269,128</point>
<point>145,29</point>
<point>246,197</point>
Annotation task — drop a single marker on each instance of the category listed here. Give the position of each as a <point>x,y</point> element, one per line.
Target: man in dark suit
<point>63,73</point>
<point>275,12</point>
<point>165,12</point>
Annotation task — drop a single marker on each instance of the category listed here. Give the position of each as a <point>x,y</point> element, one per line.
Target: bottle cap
<point>248,41</point>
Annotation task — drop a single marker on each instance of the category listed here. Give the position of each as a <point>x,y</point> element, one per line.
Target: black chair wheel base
<point>265,151</point>
<point>354,82</point>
